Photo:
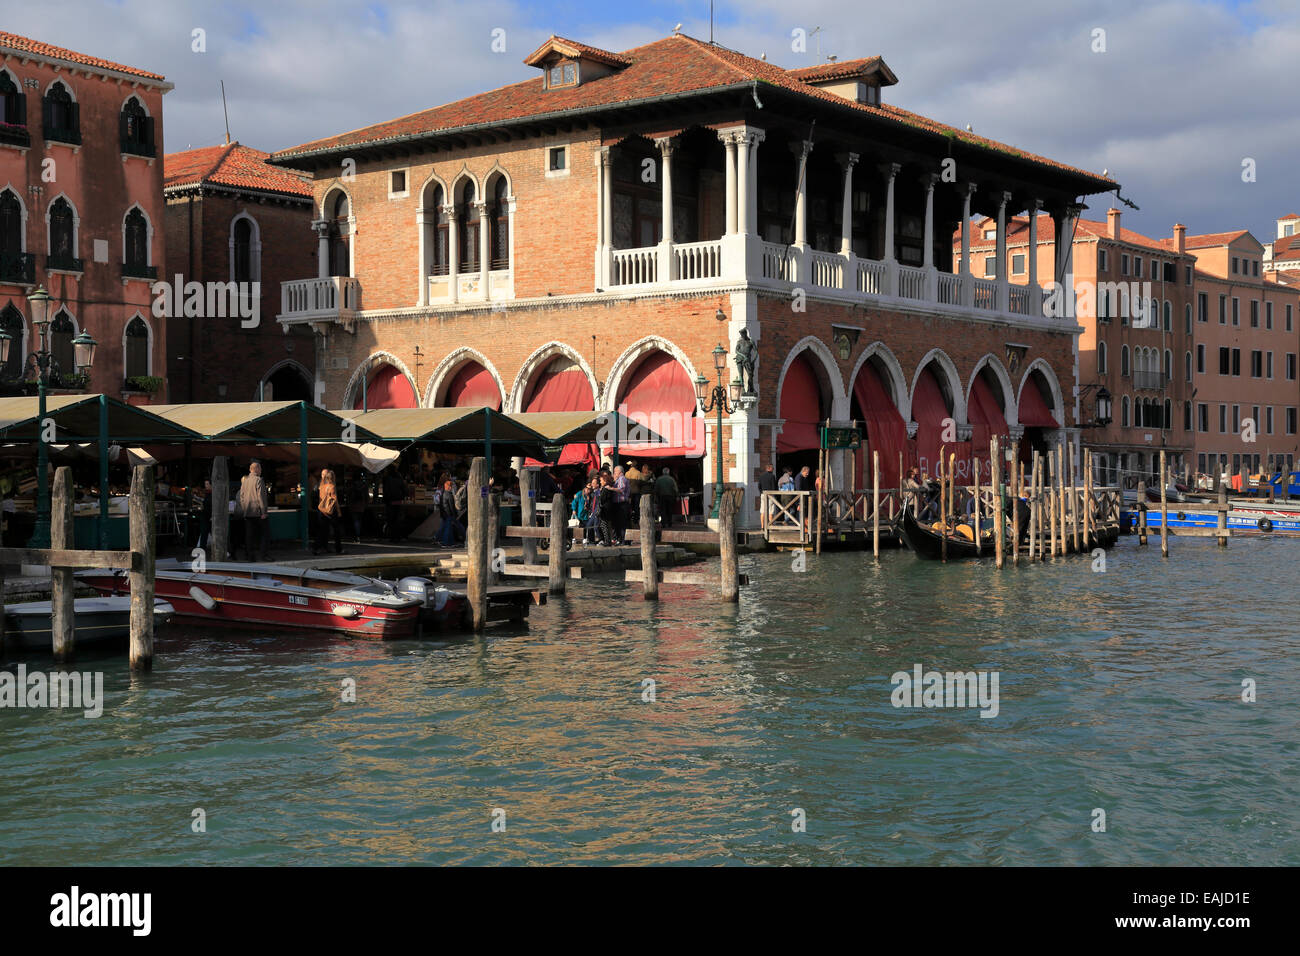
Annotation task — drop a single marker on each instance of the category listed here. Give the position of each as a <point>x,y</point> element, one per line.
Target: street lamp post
<point>722,398</point>
<point>42,361</point>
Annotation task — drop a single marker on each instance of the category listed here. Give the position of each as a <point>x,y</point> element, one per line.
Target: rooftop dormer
<point>859,80</point>
<point>1288,226</point>
<point>566,63</point>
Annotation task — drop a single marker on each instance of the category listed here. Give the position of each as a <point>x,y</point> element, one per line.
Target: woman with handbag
<point>329,514</point>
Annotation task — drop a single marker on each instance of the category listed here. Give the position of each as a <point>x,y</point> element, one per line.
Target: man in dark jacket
<point>767,480</point>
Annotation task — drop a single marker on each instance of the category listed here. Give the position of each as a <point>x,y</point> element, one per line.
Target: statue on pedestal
<point>746,355</point>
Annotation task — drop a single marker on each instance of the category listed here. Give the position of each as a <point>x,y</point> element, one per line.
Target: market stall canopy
<point>562,428</point>
<point>258,422</point>
<point>445,425</point>
<point>77,418</point>
<point>320,454</point>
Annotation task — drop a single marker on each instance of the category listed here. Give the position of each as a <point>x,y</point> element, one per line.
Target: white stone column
<point>666,146</point>
<point>849,281</point>
<point>891,264</point>
<point>754,137</point>
<point>802,261</point>
<point>601,280</point>
<point>607,215</point>
<point>927,260</point>
<point>1004,279</point>
<point>743,176</point>
<point>453,253</point>
<point>422,224</point>
<point>729,164</point>
<point>321,228</point>
<point>967,286</point>
<point>484,251</point>
<point>1035,291</point>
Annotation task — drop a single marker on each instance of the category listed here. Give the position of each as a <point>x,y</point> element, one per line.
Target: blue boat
<point>1261,520</point>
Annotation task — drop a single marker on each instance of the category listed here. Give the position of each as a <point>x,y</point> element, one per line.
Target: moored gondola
<point>928,543</point>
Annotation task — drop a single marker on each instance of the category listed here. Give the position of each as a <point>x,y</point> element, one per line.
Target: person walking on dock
<point>451,529</point>
<point>608,508</point>
<point>254,507</point>
<point>666,493</point>
<point>624,503</point>
<point>329,516</point>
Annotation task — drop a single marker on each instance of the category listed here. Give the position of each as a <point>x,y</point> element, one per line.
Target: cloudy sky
<point>1185,91</point>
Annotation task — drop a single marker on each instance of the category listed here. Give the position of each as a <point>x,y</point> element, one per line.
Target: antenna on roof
<point>710,21</point>
<point>224,111</point>
<point>816,32</point>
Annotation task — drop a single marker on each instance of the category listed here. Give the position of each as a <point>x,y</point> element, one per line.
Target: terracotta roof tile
<point>843,70</point>
<point>1287,248</point>
<point>674,65</point>
<point>20,45</point>
<point>233,165</point>
<point>1018,231</point>
<point>1209,239</point>
<point>573,48</point>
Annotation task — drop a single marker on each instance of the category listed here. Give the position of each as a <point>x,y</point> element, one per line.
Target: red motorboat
<point>278,595</point>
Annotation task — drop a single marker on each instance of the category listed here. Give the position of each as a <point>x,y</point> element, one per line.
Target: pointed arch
<point>245,248</point>
<point>61,244</point>
<point>130,250</point>
<point>536,362</point>
<point>131,355</point>
<point>895,379</point>
<point>940,359</point>
<point>446,370</point>
<point>17,197</point>
<point>293,364</point>
<point>627,362</point>
<point>360,377</point>
<point>1053,386</point>
<point>999,372</point>
<point>433,179</point>
<point>827,370</point>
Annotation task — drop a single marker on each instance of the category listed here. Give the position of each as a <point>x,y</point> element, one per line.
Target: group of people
<point>611,500</point>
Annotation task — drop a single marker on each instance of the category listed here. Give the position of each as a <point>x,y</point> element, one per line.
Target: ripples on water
<point>1118,690</point>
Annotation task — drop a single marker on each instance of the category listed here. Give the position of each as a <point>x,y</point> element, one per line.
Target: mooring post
<point>559,528</point>
<point>875,504</point>
<point>975,481</point>
<point>493,522</point>
<point>528,511</point>
<point>1015,504</point>
<point>999,519</point>
<point>62,583</point>
<point>1164,507</point>
<point>649,565</point>
<point>219,536</point>
<point>727,550</point>
<point>1221,524</point>
<point>1142,513</point>
<point>943,512</point>
<point>1033,506</point>
<point>140,508</point>
<point>476,583</point>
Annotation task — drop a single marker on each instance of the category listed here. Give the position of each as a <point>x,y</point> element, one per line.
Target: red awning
<point>987,420</point>
<point>886,430</point>
<point>1034,412</point>
<point>471,387</point>
<point>800,407</point>
<point>563,387</point>
<point>929,410</point>
<point>660,396</point>
<point>388,388</point>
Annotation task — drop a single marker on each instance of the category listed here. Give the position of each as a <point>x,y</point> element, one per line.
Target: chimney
<point>1112,222</point>
<point>1180,237</point>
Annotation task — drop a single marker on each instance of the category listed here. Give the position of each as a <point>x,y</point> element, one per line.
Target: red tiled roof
<point>1209,239</point>
<point>675,65</point>
<point>1288,247</point>
<point>20,45</point>
<point>1287,217</point>
<point>233,165</point>
<point>1018,231</point>
<point>572,48</point>
<point>844,69</point>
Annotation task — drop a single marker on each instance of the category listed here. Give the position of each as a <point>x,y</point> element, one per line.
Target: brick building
<point>518,239</point>
<point>231,218</point>
<point>1133,300</point>
<point>1247,341</point>
<point>81,211</point>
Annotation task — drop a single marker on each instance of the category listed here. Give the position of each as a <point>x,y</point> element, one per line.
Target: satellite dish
<point>677,29</point>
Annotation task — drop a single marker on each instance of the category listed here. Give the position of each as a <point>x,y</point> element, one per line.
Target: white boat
<point>96,621</point>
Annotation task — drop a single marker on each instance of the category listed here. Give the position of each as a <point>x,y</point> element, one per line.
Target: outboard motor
<point>431,596</point>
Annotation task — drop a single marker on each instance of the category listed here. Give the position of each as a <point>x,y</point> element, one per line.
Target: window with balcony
<point>467,226</point>
<point>16,266</point>
<point>61,116</point>
<point>13,112</point>
<point>499,222</point>
<point>135,235</point>
<point>338,233</point>
<point>11,322</point>
<point>63,237</point>
<point>137,129</point>
<point>436,225</point>
<point>137,348</point>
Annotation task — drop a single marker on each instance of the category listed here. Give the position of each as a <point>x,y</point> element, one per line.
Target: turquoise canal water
<point>1118,690</point>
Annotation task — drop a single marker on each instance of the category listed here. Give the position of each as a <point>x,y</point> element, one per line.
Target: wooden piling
<point>1089,516</point>
<point>140,507</point>
<point>1015,504</point>
<point>1142,513</point>
<point>943,513</point>
<point>727,549</point>
<point>952,496</point>
<point>1033,506</point>
<point>875,504</point>
<point>493,523</point>
<point>559,528</point>
<point>649,567</point>
<point>975,466</point>
<point>476,579</point>
<point>1074,504</point>
<point>219,537</point>
<point>999,510</point>
<point>1164,507</point>
<point>1060,496</point>
<point>1221,523</point>
<point>62,583</point>
<point>528,510</point>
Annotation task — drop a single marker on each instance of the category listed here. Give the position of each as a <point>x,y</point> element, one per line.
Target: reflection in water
<point>1119,690</point>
